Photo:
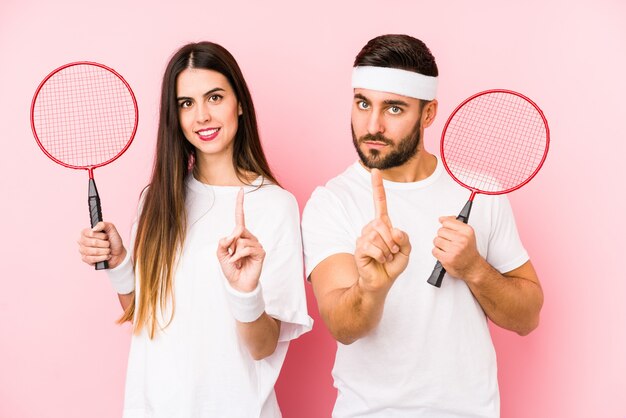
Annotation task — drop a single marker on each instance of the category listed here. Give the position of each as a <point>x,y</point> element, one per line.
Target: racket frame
<point>76,167</point>
<point>445,128</point>
<point>95,209</point>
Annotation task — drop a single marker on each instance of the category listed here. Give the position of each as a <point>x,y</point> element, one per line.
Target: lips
<point>208,134</point>
<point>374,144</point>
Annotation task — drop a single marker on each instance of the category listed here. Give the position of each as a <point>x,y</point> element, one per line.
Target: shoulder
<point>141,200</point>
<point>342,187</point>
<point>273,215</point>
<point>354,176</point>
<point>271,207</point>
<point>271,197</point>
<point>501,210</point>
<point>338,203</point>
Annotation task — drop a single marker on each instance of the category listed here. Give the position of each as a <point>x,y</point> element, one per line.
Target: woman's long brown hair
<point>163,221</point>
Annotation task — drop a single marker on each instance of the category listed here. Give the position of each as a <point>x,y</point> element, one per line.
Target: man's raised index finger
<point>380,199</point>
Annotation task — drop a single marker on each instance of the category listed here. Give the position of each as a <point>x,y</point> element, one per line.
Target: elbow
<point>345,336</point>
<point>524,332</point>
<point>345,340</point>
<point>261,336</point>
<point>528,327</point>
<point>260,356</point>
<point>261,353</point>
<point>532,320</point>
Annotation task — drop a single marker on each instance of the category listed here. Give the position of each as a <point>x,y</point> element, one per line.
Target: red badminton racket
<point>493,143</point>
<point>84,115</point>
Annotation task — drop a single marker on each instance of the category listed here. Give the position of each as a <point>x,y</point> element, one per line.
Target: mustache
<point>377,138</point>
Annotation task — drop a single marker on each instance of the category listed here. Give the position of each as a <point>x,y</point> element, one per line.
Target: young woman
<point>213,305</point>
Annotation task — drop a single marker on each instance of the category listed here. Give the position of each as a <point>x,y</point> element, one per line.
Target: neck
<point>217,170</point>
<point>421,166</point>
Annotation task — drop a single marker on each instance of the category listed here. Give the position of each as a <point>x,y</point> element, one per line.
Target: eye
<point>215,98</point>
<point>395,110</point>
<point>362,105</point>
<point>183,104</point>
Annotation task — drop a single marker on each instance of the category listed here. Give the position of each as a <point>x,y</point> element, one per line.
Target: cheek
<point>358,125</point>
<point>233,128</point>
<point>401,128</point>
<point>184,120</point>
<point>233,121</point>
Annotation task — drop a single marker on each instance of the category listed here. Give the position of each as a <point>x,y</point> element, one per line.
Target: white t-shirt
<point>198,366</point>
<point>431,355</point>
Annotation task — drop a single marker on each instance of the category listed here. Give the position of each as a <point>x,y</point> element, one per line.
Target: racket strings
<point>84,115</point>
<point>495,142</point>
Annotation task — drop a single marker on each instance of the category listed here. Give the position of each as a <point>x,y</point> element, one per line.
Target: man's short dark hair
<point>398,51</point>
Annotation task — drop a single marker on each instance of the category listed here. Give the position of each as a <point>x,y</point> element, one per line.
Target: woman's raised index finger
<point>240,219</point>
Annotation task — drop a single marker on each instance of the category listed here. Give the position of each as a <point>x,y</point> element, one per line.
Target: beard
<point>399,154</point>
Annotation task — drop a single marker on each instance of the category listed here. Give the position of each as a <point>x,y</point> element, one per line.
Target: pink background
<point>61,354</point>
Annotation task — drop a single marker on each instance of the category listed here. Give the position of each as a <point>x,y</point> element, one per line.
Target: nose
<point>375,123</point>
<point>203,113</point>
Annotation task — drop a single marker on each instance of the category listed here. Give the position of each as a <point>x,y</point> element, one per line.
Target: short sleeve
<point>282,278</point>
<point>325,229</point>
<point>505,250</point>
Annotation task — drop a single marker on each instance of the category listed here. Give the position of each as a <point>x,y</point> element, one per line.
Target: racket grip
<point>436,277</point>
<point>465,212</point>
<point>95,213</point>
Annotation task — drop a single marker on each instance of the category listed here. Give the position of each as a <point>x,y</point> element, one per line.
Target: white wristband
<point>122,277</point>
<point>245,306</point>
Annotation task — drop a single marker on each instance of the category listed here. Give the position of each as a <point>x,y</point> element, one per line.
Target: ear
<point>429,112</point>
<point>239,109</point>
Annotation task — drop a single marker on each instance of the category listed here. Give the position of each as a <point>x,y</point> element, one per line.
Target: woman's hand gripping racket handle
<point>436,277</point>
<point>95,212</point>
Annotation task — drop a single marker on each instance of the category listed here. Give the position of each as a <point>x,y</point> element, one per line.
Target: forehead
<point>194,81</point>
<point>376,96</point>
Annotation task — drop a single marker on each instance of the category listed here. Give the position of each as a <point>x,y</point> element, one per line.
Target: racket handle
<point>95,213</point>
<point>102,265</point>
<point>436,277</point>
<point>465,212</point>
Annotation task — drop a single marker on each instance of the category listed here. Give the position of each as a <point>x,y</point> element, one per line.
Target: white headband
<point>393,80</point>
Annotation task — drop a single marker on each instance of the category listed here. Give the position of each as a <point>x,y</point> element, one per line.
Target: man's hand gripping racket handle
<point>436,277</point>
<point>95,212</point>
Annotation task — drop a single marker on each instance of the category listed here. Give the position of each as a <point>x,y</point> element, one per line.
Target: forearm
<point>260,336</point>
<point>126,300</point>
<point>257,329</point>
<point>351,313</point>
<point>512,301</point>
<point>122,277</point>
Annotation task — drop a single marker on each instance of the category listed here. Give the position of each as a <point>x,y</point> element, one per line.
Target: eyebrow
<point>387,102</point>
<point>208,93</point>
<point>396,103</point>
